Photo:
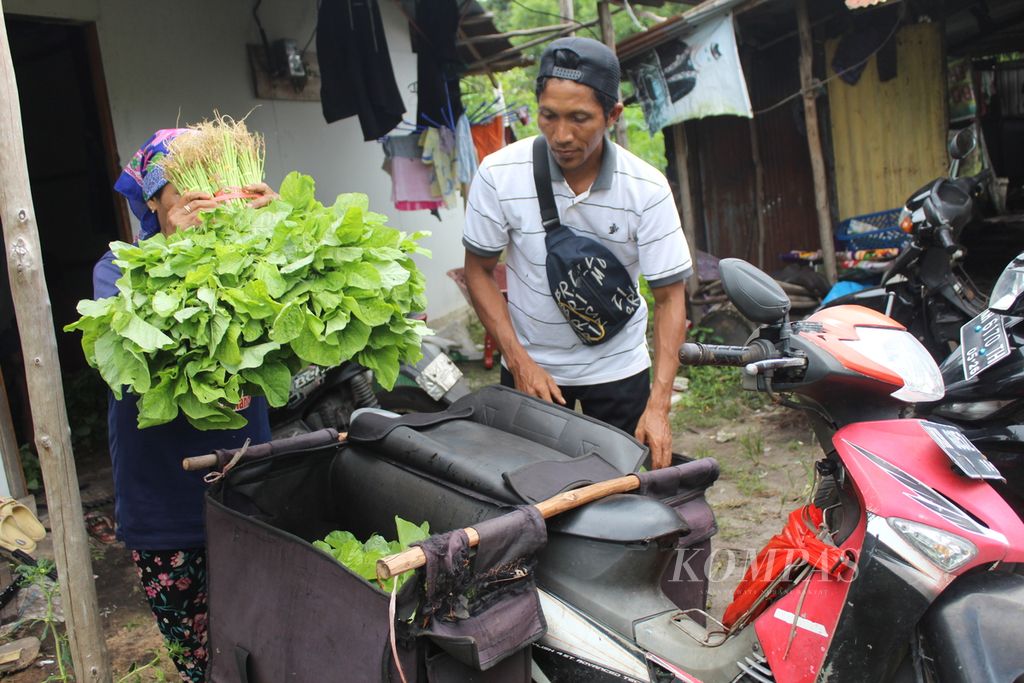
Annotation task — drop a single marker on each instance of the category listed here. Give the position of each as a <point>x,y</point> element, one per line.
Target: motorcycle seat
<point>490,442</point>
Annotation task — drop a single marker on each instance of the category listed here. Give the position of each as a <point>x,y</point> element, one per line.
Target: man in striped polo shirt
<point>603,192</point>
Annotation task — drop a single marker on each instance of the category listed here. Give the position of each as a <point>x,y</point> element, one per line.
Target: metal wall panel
<point>890,138</point>
<point>727,171</point>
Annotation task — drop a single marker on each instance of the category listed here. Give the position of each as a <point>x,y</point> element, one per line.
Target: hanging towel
<point>438,66</point>
<point>356,77</point>
<point>439,153</point>
<point>465,150</point>
<point>410,177</point>
<point>488,137</point>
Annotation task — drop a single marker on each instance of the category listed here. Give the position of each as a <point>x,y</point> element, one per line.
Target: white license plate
<point>983,343</point>
<point>439,376</point>
<point>964,455</point>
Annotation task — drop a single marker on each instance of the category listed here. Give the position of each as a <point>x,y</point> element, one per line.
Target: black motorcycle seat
<point>467,454</point>
<point>620,518</point>
<point>496,435</point>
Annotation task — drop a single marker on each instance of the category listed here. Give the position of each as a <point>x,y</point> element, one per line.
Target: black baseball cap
<point>583,60</point>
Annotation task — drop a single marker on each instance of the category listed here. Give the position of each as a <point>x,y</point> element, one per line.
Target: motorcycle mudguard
<point>973,629</point>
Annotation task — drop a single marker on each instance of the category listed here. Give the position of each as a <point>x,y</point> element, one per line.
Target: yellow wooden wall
<point>890,138</point>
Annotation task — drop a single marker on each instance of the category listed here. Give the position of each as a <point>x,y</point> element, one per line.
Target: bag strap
<point>542,179</point>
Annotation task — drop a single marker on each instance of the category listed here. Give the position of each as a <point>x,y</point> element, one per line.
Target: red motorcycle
<point>902,568</point>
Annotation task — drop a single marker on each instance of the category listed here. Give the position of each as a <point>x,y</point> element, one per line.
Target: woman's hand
<point>266,195</point>
<point>184,213</point>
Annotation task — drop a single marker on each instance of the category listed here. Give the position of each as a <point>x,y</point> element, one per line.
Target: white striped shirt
<point>629,208</point>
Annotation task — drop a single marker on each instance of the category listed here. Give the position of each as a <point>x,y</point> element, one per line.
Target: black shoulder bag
<point>592,289</point>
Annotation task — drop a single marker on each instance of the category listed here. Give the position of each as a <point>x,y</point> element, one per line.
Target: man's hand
<point>533,380</point>
<point>653,429</point>
<point>266,195</point>
<point>185,212</point>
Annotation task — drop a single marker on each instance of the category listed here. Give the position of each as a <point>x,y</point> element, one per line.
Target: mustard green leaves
<point>237,305</point>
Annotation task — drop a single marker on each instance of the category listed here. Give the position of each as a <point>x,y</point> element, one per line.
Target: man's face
<point>571,119</point>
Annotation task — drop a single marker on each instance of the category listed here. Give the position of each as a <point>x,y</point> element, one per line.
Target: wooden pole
<point>755,149</point>
<point>568,11</point>
<point>689,215</point>
<point>46,395</point>
<point>604,18</point>
<point>807,85</point>
<point>410,559</point>
<point>13,472</point>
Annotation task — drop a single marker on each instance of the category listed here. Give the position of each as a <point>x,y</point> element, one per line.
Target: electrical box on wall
<point>283,72</point>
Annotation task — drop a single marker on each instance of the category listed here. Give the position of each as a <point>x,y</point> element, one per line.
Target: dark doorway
<point>71,161</point>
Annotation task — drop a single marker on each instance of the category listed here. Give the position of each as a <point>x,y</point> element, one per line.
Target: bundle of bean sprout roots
<point>218,157</point>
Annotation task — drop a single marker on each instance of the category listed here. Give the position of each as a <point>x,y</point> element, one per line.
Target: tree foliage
<point>518,84</point>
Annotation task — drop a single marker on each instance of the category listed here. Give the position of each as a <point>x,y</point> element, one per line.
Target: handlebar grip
<point>696,353</point>
<point>945,237</point>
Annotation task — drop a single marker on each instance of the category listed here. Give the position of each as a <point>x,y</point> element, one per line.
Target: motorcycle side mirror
<point>962,144</point>
<point>753,292</point>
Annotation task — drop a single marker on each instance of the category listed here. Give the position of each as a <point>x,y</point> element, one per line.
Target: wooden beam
<point>476,55</point>
<point>568,11</point>
<point>555,33</point>
<point>46,394</point>
<point>471,19</point>
<point>472,40</point>
<point>13,471</point>
<point>755,150</point>
<point>808,86</point>
<point>604,18</point>
<point>689,215</point>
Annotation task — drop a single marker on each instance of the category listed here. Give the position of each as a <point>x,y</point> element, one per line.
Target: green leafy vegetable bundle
<point>235,306</point>
<point>361,558</point>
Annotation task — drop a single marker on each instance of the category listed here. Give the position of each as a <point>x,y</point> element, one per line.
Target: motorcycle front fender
<point>973,629</point>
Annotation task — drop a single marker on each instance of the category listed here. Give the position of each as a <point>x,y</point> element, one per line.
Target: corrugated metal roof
<point>497,54</point>
<point>639,43</point>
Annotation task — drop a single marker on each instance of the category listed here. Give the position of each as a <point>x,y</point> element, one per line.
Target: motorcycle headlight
<point>1009,286</point>
<point>947,551</point>
<point>900,353</point>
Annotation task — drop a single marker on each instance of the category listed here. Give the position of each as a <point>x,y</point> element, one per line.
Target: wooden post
<point>46,395</point>
<point>13,472</point>
<point>568,12</point>
<point>689,216</point>
<point>755,149</point>
<point>604,18</point>
<point>828,250</point>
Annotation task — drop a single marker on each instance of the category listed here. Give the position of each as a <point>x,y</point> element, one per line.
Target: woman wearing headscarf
<point>159,506</point>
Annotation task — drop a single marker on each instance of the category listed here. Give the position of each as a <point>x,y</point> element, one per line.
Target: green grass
<point>714,396</point>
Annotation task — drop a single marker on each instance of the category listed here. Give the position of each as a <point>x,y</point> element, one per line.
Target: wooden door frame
<point>112,161</point>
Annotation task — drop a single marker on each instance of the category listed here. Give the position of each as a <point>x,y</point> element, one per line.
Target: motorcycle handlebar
<point>944,235</point>
<point>697,353</point>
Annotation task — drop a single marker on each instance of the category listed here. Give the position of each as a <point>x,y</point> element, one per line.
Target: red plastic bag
<point>798,541</point>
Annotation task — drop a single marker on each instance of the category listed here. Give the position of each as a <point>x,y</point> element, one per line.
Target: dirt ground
<point>766,456</point>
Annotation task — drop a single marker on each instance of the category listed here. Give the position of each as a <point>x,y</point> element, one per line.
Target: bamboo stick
<point>413,558</point>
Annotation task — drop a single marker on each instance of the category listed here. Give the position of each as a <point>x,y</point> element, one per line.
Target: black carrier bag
<point>282,610</point>
<point>592,289</point>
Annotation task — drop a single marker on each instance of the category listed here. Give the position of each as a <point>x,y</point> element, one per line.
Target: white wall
<point>177,62</point>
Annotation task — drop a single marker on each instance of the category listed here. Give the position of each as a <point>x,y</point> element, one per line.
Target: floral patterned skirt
<point>175,586</point>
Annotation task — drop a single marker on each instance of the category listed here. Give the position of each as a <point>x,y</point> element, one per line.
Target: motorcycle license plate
<point>983,343</point>
<point>961,452</point>
<point>439,376</point>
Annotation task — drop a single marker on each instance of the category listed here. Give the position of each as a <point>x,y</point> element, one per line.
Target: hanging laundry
<point>410,177</point>
<point>488,137</point>
<point>439,152</point>
<point>465,150</point>
<point>355,67</point>
<point>438,66</point>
